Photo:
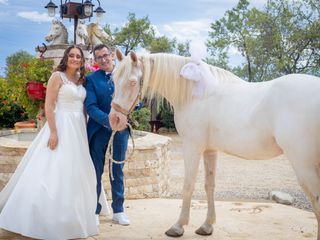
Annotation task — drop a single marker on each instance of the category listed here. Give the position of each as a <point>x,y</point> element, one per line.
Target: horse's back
<point>295,92</point>
<point>293,109</point>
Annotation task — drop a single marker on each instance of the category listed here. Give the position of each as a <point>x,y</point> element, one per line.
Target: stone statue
<point>58,33</point>
<point>81,33</point>
<point>97,35</point>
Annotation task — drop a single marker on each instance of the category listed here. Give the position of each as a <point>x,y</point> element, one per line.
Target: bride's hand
<point>53,141</point>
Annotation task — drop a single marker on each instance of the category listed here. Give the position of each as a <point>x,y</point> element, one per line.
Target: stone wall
<point>146,169</point>
<point>55,52</point>
<point>147,173</point>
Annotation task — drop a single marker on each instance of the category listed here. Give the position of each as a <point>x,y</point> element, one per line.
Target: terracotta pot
<point>25,124</point>
<point>36,90</point>
<point>155,125</point>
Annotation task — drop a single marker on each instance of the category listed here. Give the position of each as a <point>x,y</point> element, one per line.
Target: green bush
<point>140,119</point>
<point>10,111</point>
<point>166,114</point>
<point>29,70</point>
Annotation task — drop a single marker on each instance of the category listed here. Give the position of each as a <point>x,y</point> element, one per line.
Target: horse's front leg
<point>191,155</point>
<point>210,162</point>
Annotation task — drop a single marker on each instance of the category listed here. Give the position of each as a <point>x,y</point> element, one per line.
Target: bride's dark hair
<point>63,63</point>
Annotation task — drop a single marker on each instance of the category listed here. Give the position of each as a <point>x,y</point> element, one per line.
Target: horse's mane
<point>64,29</point>
<point>90,28</point>
<point>161,74</point>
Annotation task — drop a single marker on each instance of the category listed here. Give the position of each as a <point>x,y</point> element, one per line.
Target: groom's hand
<point>118,121</point>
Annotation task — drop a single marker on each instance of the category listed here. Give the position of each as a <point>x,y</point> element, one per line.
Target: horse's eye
<point>133,82</point>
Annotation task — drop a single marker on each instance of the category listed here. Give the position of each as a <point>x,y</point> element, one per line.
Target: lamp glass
<point>99,16</point>
<point>87,10</point>
<point>51,11</point>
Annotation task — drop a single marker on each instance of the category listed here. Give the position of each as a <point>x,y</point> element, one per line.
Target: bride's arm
<point>54,84</point>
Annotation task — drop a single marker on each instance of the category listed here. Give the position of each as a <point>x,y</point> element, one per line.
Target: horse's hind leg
<point>209,158</point>
<point>191,156</point>
<point>308,174</point>
<point>311,187</point>
<point>315,201</point>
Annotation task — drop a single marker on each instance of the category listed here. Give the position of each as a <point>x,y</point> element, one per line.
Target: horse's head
<point>97,35</point>
<point>82,33</point>
<point>128,85</point>
<point>100,33</point>
<point>55,30</point>
<point>58,33</point>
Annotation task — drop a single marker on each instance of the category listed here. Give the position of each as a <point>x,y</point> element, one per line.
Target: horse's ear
<point>119,55</point>
<point>133,56</point>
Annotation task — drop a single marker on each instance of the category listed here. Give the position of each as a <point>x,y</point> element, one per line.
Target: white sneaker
<point>121,218</point>
<point>97,220</point>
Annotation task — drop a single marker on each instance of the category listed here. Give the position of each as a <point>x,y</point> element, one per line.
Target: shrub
<point>166,115</point>
<point>140,119</point>
<point>10,111</point>
<point>30,70</point>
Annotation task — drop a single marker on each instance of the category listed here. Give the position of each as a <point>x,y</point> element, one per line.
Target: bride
<point>52,194</point>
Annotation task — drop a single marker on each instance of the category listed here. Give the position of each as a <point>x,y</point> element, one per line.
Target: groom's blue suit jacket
<point>100,90</point>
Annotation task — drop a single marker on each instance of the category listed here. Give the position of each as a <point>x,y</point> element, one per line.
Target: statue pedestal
<point>55,52</point>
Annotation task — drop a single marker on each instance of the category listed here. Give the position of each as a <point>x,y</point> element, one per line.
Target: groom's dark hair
<point>99,47</point>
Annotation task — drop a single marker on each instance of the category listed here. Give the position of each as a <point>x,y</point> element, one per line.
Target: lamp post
<point>75,11</point>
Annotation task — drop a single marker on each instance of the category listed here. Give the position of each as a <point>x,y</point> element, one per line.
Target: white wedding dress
<point>52,194</point>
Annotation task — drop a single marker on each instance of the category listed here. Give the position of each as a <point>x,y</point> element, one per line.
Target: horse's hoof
<point>204,231</point>
<point>175,231</point>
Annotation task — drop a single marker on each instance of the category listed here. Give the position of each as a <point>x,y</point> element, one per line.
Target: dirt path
<point>239,179</point>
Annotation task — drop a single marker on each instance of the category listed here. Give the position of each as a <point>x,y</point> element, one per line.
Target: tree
<point>281,39</point>
<point>18,58</point>
<point>182,49</point>
<point>161,44</point>
<point>136,33</point>
<point>233,30</point>
<point>293,29</point>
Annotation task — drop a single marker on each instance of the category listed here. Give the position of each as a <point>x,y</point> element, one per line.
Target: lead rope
<point>109,152</point>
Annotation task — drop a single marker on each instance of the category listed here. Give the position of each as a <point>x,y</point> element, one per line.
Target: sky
<point>24,23</point>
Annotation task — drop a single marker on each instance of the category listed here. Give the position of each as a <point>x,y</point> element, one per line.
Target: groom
<point>100,88</point>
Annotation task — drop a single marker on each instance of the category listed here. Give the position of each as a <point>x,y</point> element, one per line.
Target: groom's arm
<point>91,104</point>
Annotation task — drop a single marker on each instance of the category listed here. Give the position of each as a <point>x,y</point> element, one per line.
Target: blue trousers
<point>98,147</point>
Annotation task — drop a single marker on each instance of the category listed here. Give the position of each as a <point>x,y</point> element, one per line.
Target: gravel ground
<point>238,179</point>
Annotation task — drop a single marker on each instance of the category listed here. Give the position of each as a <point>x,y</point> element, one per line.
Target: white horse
<point>58,33</point>
<point>248,120</point>
<point>82,33</point>
<point>97,35</point>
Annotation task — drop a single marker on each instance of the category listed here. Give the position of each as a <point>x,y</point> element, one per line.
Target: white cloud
<point>3,1</point>
<point>156,31</point>
<point>186,30</point>
<point>233,51</point>
<point>35,16</point>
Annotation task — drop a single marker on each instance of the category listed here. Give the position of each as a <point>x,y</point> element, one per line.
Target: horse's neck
<point>223,76</point>
<point>80,39</point>
<point>60,39</point>
<point>95,40</point>
<point>164,79</point>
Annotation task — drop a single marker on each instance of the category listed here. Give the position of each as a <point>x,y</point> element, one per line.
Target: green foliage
<point>141,118</point>
<point>10,111</point>
<point>136,33</point>
<point>281,39</point>
<point>18,58</point>
<point>38,70</point>
<point>182,49</point>
<point>161,44</point>
<point>18,75</point>
<point>166,114</point>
